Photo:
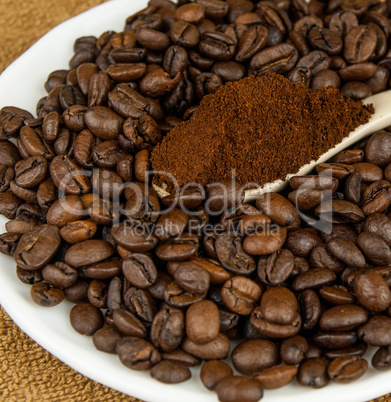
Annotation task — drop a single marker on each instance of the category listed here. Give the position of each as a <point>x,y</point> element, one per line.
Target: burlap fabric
<point>28,372</point>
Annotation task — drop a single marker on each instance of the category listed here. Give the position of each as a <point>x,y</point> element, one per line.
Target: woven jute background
<point>28,372</point>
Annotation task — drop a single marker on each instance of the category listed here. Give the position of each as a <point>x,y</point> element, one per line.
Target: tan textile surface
<point>28,372</point>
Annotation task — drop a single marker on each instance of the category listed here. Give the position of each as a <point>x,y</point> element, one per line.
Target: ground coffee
<point>262,127</point>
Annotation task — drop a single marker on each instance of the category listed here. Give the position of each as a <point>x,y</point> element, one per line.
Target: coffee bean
<point>313,373</point>
<point>88,252</point>
<point>343,318</point>
<point>137,354</point>
<point>45,295</point>
<point>167,329</point>
<point>279,59</point>
<point>372,291</point>
<point>277,315</point>
<point>360,43</point>
<point>68,177</point>
<point>381,360</point>
<point>59,275</point>
<point>86,319</point>
<point>170,372</point>
<point>106,338</point>
<point>202,322</point>
<point>277,376</point>
<point>276,268</point>
<point>216,349</point>
<point>234,388</point>
<point>346,369</point>
<point>37,247</point>
<point>241,294</point>
<point>128,324</point>
<point>376,331</point>
<point>251,357</point>
<point>310,308</point>
<point>213,371</point>
<point>140,270</point>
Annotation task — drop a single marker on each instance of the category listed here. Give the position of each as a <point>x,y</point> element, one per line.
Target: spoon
<point>379,120</point>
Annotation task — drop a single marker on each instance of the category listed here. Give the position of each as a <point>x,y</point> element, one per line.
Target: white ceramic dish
<point>22,85</point>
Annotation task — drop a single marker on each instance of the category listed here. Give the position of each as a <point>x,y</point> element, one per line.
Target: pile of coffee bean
<point>300,279</point>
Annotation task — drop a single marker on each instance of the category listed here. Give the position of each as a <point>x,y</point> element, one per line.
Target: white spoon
<point>379,120</point>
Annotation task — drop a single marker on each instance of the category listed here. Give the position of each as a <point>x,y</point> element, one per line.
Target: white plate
<point>22,85</point>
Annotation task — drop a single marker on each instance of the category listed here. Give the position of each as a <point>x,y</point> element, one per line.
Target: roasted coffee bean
<point>313,373</point>
<point>139,270</point>
<point>202,322</point>
<point>86,319</point>
<point>140,303</point>
<point>347,252</point>
<point>336,295</point>
<point>29,277</point>
<point>213,371</point>
<point>376,331</point>
<point>106,338</point>
<point>360,43</point>
<point>279,210</point>
<point>302,241</point>
<point>97,294</point>
<point>216,349</point>
<point>11,121</point>
<point>241,295</point>
<point>167,329</point>
<point>192,278</point>
<point>279,59</point>
<point>380,225</point>
<point>325,39</point>
<point>170,372</point>
<point>133,239</point>
<point>252,41</point>
<point>335,340</point>
<point>250,357</point>
<point>310,308</point>
<point>88,252</point>
<point>276,268</point>
<point>104,270</point>
<point>175,296</point>
<point>180,248</point>
<point>372,291</point>
<point>37,247</point>
<point>9,242</point>
<point>78,292</point>
<point>74,118</point>
<point>277,316</point>
<point>141,165</point>
<point>75,232</point>
<point>277,376</point>
<point>340,211</point>
<point>68,177</point>
<point>59,274</point>
<point>234,388</point>
<point>313,278</point>
<point>343,318</point>
<point>45,295</point>
<point>321,258</point>
<point>293,350</point>
<point>267,242</point>
<point>128,324</point>
<point>346,369</point>
<point>381,360</point>
<point>137,354</point>
<point>9,203</point>
<point>374,248</point>
<point>356,90</point>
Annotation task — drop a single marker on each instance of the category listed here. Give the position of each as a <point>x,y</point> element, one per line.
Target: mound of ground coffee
<point>261,127</point>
